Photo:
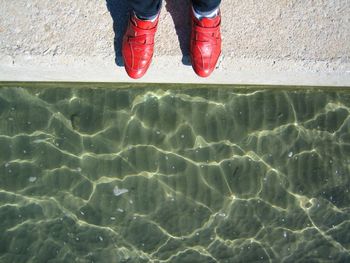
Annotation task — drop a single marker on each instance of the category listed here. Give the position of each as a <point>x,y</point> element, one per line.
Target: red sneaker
<point>138,45</point>
<point>205,46</point>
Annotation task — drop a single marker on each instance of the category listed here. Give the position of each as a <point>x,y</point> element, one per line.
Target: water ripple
<point>174,175</point>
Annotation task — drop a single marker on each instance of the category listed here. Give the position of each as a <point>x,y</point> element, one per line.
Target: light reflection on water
<point>177,175</point>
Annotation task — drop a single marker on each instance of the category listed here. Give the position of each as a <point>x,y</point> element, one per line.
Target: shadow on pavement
<point>180,13</point>
<point>119,11</point>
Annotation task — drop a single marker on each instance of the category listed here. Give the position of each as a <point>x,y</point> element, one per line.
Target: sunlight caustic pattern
<point>174,175</point>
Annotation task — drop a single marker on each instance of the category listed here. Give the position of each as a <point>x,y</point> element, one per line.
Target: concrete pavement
<point>282,42</point>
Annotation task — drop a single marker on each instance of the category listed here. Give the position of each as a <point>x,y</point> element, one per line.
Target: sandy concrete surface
<point>290,42</point>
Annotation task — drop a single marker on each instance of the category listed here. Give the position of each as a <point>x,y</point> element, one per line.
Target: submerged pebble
<point>119,191</point>
<point>32,179</point>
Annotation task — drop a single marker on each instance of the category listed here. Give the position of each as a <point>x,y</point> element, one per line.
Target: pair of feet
<point>138,45</point>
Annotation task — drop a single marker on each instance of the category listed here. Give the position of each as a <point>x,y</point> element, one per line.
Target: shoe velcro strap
<point>205,30</point>
<point>141,31</point>
<point>140,40</point>
<point>206,34</point>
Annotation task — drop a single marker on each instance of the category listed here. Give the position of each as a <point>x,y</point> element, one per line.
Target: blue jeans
<point>149,8</point>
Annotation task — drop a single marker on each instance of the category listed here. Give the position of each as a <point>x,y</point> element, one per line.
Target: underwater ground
<point>159,174</point>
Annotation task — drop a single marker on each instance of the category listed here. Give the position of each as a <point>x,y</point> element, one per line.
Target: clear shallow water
<point>180,175</point>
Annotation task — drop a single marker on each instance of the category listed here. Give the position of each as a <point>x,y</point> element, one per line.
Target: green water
<point>146,174</point>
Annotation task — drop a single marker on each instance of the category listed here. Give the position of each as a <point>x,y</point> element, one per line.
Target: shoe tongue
<point>143,24</point>
<point>209,22</point>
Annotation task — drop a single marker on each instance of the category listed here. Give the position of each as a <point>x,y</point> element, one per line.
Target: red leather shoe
<point>205,47</point>
<point>138,46</point>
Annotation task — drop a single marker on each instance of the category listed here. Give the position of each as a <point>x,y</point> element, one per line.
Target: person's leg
<point>205,47</point>
<point>146,9</point>
<point>138,40</point>
<point>205,6</point>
